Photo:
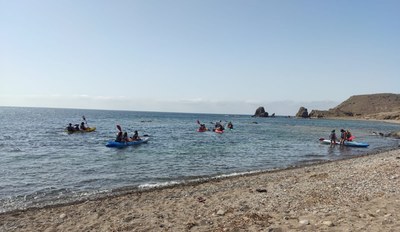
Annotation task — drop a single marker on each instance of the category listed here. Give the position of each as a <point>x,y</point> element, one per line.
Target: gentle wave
<point>43,165</point>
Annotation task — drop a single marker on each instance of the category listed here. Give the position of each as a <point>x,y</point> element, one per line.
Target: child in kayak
<point>135,136</point>
<point>125,137</point>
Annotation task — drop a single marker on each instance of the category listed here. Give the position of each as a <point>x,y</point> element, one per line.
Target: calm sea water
<point>40,164</point>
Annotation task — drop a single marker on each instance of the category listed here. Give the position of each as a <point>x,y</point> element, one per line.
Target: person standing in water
<point>343,136</point>
<point>333,137</point>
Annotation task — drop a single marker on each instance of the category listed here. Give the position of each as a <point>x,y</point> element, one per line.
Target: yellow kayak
<point>89,129</point>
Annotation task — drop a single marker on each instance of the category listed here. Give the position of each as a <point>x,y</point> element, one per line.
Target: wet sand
<point>358,194</point>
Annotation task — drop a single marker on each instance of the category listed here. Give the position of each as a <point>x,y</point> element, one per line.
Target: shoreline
<point>307,197</point>
<point>392,121</point>
<point>126,190</point>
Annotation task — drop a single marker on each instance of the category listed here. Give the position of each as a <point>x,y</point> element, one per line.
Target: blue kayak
<point>126,144</point>
<point>346,143</point>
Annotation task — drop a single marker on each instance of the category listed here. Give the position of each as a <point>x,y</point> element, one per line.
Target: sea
<point>42,165</point>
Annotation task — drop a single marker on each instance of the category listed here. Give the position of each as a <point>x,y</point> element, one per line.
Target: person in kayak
<point>230,125</point>
<point>119,137</point>
<point>202,127</point>
<point>343,136</point>
<point>83,127</point>
<point>349,136</point>
<point>333,137</point>
<point>70,128</point>
<point>125,137</point>
<point>218,126</point>
<point>135,136</point>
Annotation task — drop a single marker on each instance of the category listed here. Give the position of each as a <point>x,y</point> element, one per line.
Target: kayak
<point>126,144</point>
<point>198,130</point>
<point>346,143</point>
<point>89,129</point>
<point>219,131</point>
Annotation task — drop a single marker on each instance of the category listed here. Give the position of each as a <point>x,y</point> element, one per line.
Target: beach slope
<point>358,194</point>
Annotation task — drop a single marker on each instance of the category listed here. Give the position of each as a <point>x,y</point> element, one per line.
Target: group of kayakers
<point>218,127</point>
<point>76,127</point>
<point>79,127</point>
<point>345,135</point>
<point>122,137</point>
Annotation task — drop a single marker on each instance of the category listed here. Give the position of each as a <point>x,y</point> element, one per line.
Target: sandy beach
<point>358,194</point>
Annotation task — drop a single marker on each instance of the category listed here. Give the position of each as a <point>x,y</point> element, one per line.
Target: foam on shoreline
<point>149,187</point>
<point>355,194</point>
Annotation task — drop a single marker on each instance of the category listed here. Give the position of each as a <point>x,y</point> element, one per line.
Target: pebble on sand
<point>304,222</point>
<point>328,223</point>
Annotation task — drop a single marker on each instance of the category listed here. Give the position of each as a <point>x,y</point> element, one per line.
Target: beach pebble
<point>328,223</point>
<point>304,222</point>
<point>221,212</point>
<point>62,216</point>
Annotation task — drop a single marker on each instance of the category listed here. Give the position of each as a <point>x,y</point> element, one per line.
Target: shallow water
<point>40,164</point>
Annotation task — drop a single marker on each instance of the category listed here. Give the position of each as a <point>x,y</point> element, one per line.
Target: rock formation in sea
<point>260,112</point>
<point>302,113</point>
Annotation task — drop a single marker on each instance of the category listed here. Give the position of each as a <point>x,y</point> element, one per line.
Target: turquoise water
<point>40,164</point>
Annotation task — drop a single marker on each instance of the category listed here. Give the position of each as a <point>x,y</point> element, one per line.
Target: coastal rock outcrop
<point>318,113</point>
<point>260,112</point>
<point>395,134</point>
<point>302,113</point>
<point>382,106</point>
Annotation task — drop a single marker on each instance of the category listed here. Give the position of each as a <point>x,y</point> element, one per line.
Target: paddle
<point>119,128</point>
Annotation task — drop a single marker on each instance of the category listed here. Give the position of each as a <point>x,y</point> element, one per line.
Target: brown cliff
<point>374,106</point>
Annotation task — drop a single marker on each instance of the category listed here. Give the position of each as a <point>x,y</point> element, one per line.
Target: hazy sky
<point>197,56</point>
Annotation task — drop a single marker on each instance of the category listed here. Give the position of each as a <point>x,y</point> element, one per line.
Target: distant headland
<point>382,106</point>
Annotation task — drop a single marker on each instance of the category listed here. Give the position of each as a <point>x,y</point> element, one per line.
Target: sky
<point>209,56</point>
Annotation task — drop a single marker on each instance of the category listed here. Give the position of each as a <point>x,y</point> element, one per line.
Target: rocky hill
<point>373,106</point>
